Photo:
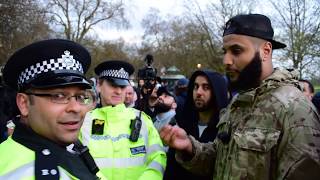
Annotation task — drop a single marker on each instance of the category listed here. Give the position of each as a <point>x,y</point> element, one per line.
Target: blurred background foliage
<point>181,41</point>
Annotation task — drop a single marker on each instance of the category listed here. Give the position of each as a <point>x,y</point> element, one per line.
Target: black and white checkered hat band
<point>121,73</point>
<point>49,65</point>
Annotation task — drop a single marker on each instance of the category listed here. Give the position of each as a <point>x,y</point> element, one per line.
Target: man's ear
<point>98,86</point>
<point>174,105</point>
<point>266,51</point>
<point>23,103</point>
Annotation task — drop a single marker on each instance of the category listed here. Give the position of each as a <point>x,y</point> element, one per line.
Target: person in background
<point>206,96</point>
<point>181,93</point>
<point>8,111</point>
<point>123,141</point>
<point>165,108</point>
<point>53,97</point>
<point>308,89</point>
<point>138,101</point>
<point>159,80</point>
<point>269,130</point>
<point>93,82</point>
<point>148,101</point>
<point>130,96</point>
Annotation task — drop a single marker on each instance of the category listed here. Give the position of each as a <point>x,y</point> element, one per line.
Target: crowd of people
<point>255,122</point>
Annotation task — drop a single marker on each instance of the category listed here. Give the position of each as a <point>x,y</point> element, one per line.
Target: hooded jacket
<point>188,120</point>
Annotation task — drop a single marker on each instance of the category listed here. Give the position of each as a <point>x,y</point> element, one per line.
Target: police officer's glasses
<point>86,98</point>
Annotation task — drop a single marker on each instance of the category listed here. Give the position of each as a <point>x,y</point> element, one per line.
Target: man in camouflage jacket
<point>269,130</point>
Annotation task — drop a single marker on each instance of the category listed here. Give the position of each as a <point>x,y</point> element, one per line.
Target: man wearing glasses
<point>53,98</point>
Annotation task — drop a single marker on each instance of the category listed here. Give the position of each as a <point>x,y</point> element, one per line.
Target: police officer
<point>123,141</point>
<point>53,98</point>
<point>270,130</point>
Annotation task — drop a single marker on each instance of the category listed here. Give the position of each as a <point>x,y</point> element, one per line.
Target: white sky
<point>136,10</point>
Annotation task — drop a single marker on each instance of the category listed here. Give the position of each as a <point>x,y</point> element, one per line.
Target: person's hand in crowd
<point>153,102</point>
<point>176,138</point>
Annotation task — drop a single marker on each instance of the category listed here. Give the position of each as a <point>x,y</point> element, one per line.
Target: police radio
<point>135,127</point>
<point>86,157</point>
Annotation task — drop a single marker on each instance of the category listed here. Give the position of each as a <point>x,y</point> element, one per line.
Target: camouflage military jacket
<point>274,133</point>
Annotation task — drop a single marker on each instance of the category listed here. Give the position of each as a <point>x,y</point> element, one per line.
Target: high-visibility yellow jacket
<point>106,132</point>
<point>18,162</point>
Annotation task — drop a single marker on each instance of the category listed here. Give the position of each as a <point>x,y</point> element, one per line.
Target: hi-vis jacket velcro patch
<point>138,150</point>
<point>97,127</point>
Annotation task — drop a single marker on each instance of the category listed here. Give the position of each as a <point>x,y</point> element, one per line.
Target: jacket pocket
<point>250,160</point>
<point>256,139</point>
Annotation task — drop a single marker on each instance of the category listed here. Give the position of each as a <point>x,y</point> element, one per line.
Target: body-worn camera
<point>135,127</point>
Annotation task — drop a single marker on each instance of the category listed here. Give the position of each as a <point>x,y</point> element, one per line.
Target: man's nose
<point>227,59</point>
<point>118,90</point>
<point>73,105</point>
<point>199,91</point>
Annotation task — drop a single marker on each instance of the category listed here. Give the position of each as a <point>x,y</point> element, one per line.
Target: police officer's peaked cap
<point>47,64</point>
<point>115,71</point>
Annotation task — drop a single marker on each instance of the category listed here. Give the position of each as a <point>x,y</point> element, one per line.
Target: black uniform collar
<point>58,155</point>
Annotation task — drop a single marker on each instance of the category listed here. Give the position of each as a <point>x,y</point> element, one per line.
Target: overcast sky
<point>137,9</point>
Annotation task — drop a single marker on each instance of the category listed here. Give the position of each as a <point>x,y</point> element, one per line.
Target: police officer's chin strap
<point>86,157</point>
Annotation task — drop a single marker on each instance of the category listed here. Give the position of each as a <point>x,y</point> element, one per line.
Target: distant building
<point>170,77</point>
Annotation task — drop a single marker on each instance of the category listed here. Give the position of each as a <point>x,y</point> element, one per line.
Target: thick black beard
<point>249,76</point>
<point>205,107</point>
<point>202,109</point>
<point>161,108</point>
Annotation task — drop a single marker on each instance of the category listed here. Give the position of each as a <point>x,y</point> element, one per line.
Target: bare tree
<point>211,20</point>
<point>300,28</point>
<point>77,17</point>
<point>214,15</point>
<point>21,22</point>
<point>105,50</point>
<point>177,42</point>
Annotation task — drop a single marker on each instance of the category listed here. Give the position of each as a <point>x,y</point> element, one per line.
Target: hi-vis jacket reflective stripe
<point>117,157</point>
<point>27,172</point>
<point>17,163</point>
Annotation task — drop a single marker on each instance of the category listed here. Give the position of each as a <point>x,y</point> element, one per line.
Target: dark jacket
<point>8,109</point>
<point>180,100</point>
<point>188,120</point>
